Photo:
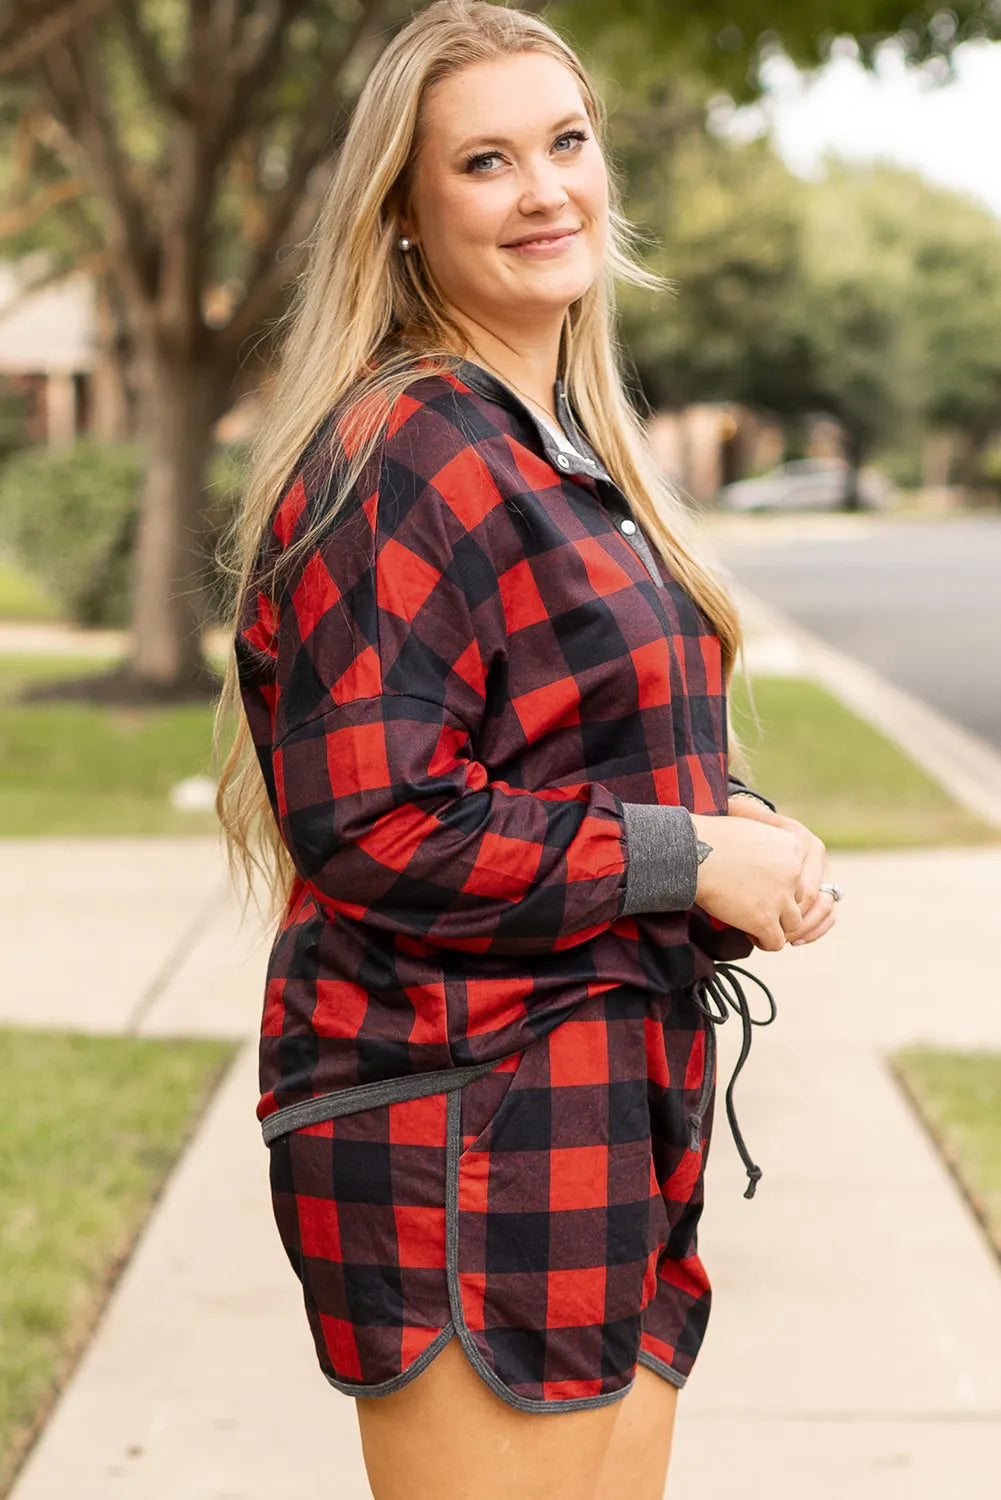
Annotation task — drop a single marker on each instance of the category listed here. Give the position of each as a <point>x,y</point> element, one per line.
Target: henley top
<point>484,711</point>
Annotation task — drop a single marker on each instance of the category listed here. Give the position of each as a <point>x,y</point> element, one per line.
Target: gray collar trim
<point>586,460</point>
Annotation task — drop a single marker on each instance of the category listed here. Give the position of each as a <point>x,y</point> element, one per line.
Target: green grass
<point>92,1126</point>
<point>958,1094</point>
<point>820,763</point>
<point>22,597</point>
<point>77,768</point>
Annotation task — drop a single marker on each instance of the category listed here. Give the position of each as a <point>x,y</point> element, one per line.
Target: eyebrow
<point>500,140</point>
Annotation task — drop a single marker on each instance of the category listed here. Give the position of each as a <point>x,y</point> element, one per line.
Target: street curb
<point>968,768</point>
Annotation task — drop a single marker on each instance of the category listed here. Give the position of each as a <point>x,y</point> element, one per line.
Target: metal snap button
<point>628,527</point>
<point>562,460</point>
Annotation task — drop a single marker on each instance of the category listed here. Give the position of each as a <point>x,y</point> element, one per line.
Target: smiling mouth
<point>548,239</point>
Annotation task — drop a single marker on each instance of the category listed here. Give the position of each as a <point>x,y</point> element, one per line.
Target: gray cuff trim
<point>663,869</point>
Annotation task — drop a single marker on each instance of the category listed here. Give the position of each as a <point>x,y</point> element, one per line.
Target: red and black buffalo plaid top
<point>481,705</point>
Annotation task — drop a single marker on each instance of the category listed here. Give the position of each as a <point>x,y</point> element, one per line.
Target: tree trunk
<point>112,418</point>
<point>180,400</point>
<point>853,452</point>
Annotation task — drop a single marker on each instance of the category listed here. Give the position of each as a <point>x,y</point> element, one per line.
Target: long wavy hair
<point>365,319</point>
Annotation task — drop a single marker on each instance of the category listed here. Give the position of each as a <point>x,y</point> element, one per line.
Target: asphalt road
<point>918,600</point>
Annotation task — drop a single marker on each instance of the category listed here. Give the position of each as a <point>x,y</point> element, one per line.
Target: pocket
<point>482,1100</point>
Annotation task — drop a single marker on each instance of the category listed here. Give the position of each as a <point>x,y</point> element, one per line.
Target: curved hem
<point>453,1150</point>
<point>667,1372</point>
<point>395,1382</point>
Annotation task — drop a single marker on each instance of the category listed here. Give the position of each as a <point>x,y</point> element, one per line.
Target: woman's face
<point>508,154</point>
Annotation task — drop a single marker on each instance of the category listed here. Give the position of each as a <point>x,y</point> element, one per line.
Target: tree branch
<point>292,205</point>
<point>255,63</point>
<point>21,217</point>
<point>150,62</point>
<point>38,25</point>
<point>265,296</point>
<point>75,95</point>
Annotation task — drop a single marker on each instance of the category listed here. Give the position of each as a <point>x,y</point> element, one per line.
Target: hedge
<point>70,516</point>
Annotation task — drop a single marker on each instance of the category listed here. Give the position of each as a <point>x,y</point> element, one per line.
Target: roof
<point>52,331</point>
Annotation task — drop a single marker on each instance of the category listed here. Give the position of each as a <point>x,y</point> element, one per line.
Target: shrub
<point>70,516</point>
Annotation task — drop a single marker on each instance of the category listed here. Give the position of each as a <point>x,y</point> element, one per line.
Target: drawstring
<point>715,1004</point>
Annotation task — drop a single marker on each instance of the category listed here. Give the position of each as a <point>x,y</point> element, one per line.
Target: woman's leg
<point>446,1434</point>
<point>636,1459</point>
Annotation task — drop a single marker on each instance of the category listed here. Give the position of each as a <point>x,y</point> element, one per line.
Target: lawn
<point>21,597</point>
<point>854,788</point>
<point>74,768</point>
<point>958,1096</point>
<point>92,1126</point>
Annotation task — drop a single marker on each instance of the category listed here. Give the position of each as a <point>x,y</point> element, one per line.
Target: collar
<point>582,460</point>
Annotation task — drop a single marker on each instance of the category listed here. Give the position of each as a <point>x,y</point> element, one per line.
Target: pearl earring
<point>403,242</point>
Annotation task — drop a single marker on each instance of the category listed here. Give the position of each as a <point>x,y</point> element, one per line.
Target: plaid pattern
<point>525,1214</point>
<point>452,699</point>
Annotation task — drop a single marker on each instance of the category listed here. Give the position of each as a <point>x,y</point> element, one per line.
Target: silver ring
<point>835,891</point>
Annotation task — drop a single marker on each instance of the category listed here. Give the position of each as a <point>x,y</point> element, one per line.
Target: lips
<point>541,238</point>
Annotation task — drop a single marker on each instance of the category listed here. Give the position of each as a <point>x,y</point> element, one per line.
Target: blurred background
<point>820,184</point>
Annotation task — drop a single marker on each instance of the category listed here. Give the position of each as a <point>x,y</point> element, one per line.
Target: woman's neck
<point>530,367</point>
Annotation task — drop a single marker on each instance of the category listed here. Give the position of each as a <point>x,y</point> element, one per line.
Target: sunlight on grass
<point>855,789</point>
<point>959,1096</point>
<point>22,597</point>
<point>78,768</point>
<point>92,1126</point>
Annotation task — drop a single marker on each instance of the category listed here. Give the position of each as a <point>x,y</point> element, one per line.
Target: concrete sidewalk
<point>857,1315</point>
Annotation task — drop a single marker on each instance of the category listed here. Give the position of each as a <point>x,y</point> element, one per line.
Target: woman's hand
<point>817,907</point>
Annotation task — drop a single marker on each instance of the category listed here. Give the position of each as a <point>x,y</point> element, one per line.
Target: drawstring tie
<point>715,1003</point>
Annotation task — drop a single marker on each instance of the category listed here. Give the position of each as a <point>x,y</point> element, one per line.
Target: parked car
<point>804,484</point>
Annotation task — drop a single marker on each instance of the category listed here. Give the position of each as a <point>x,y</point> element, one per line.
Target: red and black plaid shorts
<point>545,1214</point>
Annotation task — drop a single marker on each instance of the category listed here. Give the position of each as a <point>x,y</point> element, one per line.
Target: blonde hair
<point>364,317</point>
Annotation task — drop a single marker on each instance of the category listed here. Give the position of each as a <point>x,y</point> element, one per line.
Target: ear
<point>397,211</point>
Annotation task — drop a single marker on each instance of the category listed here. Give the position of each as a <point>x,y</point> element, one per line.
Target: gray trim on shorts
<point>395,1382</point>
<point>369,1096</point>
<point>659,1367</point>
<point>453,1151</point>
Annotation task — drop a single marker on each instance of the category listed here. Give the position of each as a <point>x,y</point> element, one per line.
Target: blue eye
<point>474,162</point>
<point>577,136</point>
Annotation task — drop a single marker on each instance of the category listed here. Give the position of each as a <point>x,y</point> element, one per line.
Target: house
<point>51,353</point>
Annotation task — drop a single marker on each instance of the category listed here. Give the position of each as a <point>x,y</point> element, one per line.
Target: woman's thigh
<point>447,1435</point>
<point>639,1449</point>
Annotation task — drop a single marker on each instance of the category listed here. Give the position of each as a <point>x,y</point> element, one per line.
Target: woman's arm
<point>388,814</point>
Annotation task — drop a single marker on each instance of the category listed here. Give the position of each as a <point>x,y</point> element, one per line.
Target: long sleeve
<point>387,812</point>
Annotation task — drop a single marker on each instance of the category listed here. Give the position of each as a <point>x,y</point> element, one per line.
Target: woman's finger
<point>814,930</point>
<point>790,918</point>
<point>812,874</point>
<point>814,914</point>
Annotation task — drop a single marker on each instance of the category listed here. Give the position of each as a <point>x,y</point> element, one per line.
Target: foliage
<point>70,515</point>
<point>180,148</point>
<point>728,238</point>
<point>907,301</point>
<point>14,408</point>
<point>871,294</point>
<point>726,43</point>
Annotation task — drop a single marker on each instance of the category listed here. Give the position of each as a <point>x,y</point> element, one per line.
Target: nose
<point>542,186</point>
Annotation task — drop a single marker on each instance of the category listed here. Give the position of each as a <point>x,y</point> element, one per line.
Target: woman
<point>484,759</point>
